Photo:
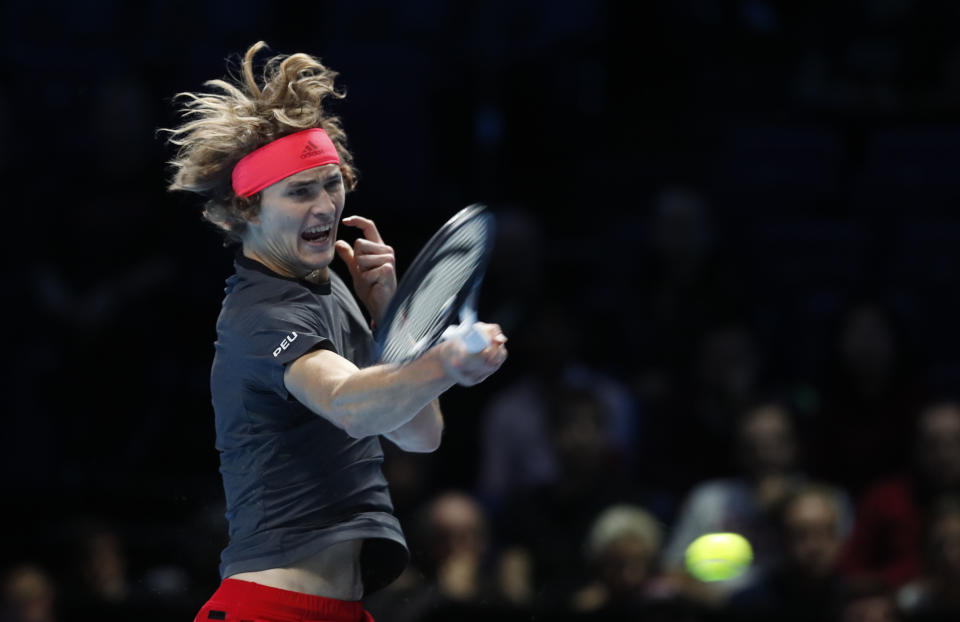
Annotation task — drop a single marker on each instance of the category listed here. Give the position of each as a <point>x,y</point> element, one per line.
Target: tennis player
<point>299,403</point>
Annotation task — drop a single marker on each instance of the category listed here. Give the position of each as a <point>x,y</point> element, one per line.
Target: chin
<point>316,261</point>
<point>317,257</point>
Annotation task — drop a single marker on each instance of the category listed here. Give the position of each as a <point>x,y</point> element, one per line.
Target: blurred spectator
<point>746,504</point>
<point>805,585</point>
<point>868,394</point>
<point>728,370</point>
<point>410,477</point>
<point>549,523</point>
<point>451,553</point>
<point>28,595</point>
<point>103,565</point>
<point>699,438</point>
<point>679,284</point>
<point>870,57</point>
<point>515,276</point>
<point>519,452</point>
<point>623,549</point>
<point>870,606</point>
<point>936,594</point>
<point>101,587</point>
<point>692,362</point>
<point>885,547</point>
<point>456,551</point>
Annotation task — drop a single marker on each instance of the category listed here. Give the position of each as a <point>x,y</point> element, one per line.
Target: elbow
<point>358,426</point>
<point>427,437</point>
<point>416,436</point>
<point>425,432</point>
<point>351,419</point>
<point>419,440</point>
<point>427,445</point>
<point>419,445</point>
<point>354,426</point>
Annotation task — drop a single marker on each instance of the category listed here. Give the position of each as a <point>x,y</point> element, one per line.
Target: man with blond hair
<point>299,401</point>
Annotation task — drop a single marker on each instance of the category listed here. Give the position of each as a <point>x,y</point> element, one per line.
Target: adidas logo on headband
<point>310,150</point>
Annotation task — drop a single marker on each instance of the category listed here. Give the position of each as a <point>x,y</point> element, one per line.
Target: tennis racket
<point>437,297</point>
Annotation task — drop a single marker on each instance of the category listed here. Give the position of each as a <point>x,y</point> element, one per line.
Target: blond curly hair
<point>223,126</point>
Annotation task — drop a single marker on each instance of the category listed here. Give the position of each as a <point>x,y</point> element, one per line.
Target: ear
<point>250,209</point>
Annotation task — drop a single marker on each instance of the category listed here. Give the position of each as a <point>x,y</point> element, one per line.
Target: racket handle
<point>471,338</point>
<point>474,340</point>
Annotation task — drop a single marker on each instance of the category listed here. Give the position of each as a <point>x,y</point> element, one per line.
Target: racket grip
<point>471,338</point>
<point>474,340</point>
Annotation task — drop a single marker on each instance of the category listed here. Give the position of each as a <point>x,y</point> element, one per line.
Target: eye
<point>333,184</point>
<point>302,192</point>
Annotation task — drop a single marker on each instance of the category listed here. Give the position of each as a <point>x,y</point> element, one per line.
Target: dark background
<point>821,138</point>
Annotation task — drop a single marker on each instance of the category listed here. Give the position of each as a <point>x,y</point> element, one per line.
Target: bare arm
<point>423,432</point>
<point>383,398</point>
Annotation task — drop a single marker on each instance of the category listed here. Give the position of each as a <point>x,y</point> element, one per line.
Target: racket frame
<point>463,305</point>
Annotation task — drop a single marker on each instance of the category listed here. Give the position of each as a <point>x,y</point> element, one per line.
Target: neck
<point>320,275</point>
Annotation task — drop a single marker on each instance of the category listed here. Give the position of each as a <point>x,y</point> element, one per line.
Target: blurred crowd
<point>727,237</point>
<point>592,479</point>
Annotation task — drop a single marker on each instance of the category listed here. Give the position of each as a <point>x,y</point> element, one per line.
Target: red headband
<point>282,158</point>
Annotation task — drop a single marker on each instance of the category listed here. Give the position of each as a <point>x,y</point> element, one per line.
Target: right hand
<point>468,369</point>
<point>372,265</point>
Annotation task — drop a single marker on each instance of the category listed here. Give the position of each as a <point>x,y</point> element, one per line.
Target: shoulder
<point>338,287</point>
<point>261,314</point>
<point>341,292</point>
<point>344,299</point>
<point>256,310</point>
<point>250,287</point>
<point>251,296</point>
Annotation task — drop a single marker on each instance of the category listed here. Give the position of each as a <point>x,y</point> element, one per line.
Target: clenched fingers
<point>382,274</point>
<point>366,262</point>
<point>367,247</point>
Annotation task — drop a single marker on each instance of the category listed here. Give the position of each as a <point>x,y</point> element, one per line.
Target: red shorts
<point>243,601</point>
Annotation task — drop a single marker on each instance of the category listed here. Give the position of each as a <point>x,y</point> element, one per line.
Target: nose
<point>324,205</point>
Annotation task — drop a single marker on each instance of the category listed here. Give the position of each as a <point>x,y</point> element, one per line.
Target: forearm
<point>380,399</point>
<point>371,401</point>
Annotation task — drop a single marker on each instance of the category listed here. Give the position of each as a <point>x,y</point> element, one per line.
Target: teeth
<point>318,229</point>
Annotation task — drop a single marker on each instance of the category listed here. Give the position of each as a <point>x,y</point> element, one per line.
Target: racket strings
<point>427,312</point>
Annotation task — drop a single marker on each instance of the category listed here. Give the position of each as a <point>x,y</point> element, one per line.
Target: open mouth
<point>317,234</point>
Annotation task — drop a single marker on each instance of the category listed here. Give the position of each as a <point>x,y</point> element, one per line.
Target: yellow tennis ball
<point>718,556</point>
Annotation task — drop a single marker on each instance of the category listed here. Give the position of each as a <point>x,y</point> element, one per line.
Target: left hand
<point>466,368</point>
<point>372,265</point>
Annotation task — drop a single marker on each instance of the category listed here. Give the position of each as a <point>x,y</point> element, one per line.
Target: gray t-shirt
<point>294,483</point>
